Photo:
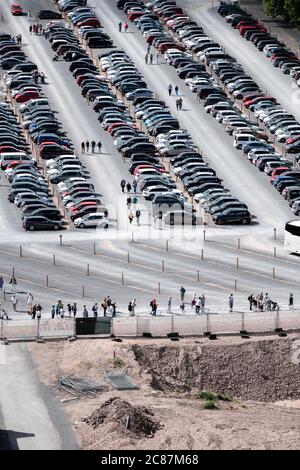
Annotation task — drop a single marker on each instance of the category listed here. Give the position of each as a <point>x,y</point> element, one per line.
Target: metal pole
<point>235,285</point>
<point>95,249</point>
<point>275,253</point>
<point>13,273</point>
<point>21,253</point>
<point>128,257</point>
<point>275,235</point>
<point>87,269</point>
<point>198,275</point>
<point>237,263</point>
<point>158,287</point>
<point>239,244</point>
<point>83,291</point>
<point>274,274</point>
<point>167,245</point>
<point>123,279</point>
<point>132,237</point>
<point>163,265</point>
<point>60,240</point>
<point>204,232</point>
<point>243,322</point>
<point>47,281</point>
<point>202,254</point>
<point>1,330</point>
<point>54,260</point>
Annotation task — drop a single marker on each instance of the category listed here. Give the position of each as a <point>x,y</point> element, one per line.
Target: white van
<point>240,139</point>
<point>7,157</point>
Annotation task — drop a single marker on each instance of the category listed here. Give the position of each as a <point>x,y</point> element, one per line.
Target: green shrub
<point>224,397</point>
<point>205,395</point>
<point>210,404</point>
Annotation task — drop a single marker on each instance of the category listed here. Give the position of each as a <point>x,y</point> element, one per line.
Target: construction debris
<point>136,419</point>
<point>120,381</point>
<point>79,387</point>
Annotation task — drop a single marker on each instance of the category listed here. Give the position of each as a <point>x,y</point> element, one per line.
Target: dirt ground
<point>258,373</point>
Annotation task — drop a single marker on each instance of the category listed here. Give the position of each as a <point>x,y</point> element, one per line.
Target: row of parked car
<point>247,135</point>
<point>197,177</point>
<point>60,162</point>
<point>250,28</point>
<point>88,24</point>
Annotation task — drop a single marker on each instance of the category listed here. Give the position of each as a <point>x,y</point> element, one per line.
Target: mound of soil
<point>260,370</point>
<point>136,419</point>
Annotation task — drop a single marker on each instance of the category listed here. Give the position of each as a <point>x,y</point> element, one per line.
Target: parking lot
<point>183,156</point>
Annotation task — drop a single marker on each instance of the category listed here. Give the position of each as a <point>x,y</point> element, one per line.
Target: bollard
<point>158,287</point>
<point>163,266</point>
<point>239,244</point>
<point>95,249</point>
<point>274,229</point>
<point>60,240</point>
<point>83,291</point>
<point>204,232</point>
<point>202,254</point>
<point>87,269</point>
<point>275,252</point>
<point>274,274</point>
<point>21,251</point>
<point>128,257</point>
<point>47,280</point>
<point>4,294</point>
<point>198,275</point>
<point>167,245</point>
<point>13,273</point>
<point>123,280</point>
<point>54,260</point>
<point>1,331</point>
<point>235,285</point>
<point>243,322</point>
<point>132,237</point>
<point>237,263</point>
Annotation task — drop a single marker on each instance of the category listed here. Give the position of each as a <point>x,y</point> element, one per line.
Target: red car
<point>89,22</point>
<point>278,171</point>
<point>291,140</point>
<point>259,99</point>
<point>8,148</point>
<point>26,96</point>
<point>16,9</point>
<point>134,15</point>
<point>170,45</point>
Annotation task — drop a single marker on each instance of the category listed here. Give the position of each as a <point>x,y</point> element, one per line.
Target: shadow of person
<point>8,439</point>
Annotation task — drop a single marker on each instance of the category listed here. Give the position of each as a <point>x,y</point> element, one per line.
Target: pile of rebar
<point>78,386</point>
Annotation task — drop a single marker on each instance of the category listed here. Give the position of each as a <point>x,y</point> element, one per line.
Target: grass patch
<point>117,362</point>
<point>206,395</point>
<point>224,397</point>
<point>210,405</point>
<point>87,365</point>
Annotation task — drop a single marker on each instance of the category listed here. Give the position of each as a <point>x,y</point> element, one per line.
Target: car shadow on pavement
<point>8,439</point>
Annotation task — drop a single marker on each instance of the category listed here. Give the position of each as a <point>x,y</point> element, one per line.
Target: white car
<point>96,219</point>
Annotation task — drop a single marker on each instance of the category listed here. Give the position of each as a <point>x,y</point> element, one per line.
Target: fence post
<point>38,329</point>
<point>204,233</point>
<point>47,280</point>
<point>274,274</point>
<point>4,294</point>
<point>237,263</point>
<point>207,322</point>
<point>132,239</point>
<point>158,287</point>
<point>172,323</point>
<point>163,266</point>
<point>60,240</point>
<point>167,245</point>
<point>235,285</point>
<point>83,291</point>
<point>202,254</point>
<point>123,279</point>
<point>128,257</point>
<point>243,322</point>
<point>54,260</point>
<point>277,320</point>
<point>1,331</point>
<point>95,249</point>
<point>198,275</point>
<point>21,251</point>
<point>275,235</point>
<point>275,252</point>
<point>88,269</point>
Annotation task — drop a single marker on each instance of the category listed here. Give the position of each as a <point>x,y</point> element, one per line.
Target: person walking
<point>39,311</point>
<point>30,28</point>
<point>93,145</point>
<point>230,302</point>
<point>177,104</point>
<point>62,312</point>
<point>74,309</point>
<point>113,309</point>
<point>169,304</point>
<point>170,88</point>
<point>85,312</point>
<point>153,305</point>
<point>33,312</point>
<point>193,302</point>
<point>202,303</point>
<point>128,187</point>
<point>95,310</point>
<point>14,301</point>
<point>182,293</point>
<point>87,146</point>
<point>104,306</point>
<point>120,27</point>
<point>180,103</point>
<point>129,202</point>
<point>99,145</point>
<point>291,301</point>
<point>29,300</point>
<point>266,301</point>
<point>133,305</point>
<point>250,299</point>
<point>134,185</point>
<point>1,283</point>
<point>157,57</point>
<point>130,217</point>
<point>176,89</point>
<point>130,309</point>
<point>126,26</point>
<point>69,307</point>
<point>137,216</point>
<point>198,306</point>
<point>151,58</point>
<point>146,58</point>
<point>53,312</point>
<point>123,184</point>
<point>83,147</point>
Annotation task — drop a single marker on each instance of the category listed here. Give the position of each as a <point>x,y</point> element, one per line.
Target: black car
<point>41,223</point>
<point>232,216</point>
<point>49,15</point>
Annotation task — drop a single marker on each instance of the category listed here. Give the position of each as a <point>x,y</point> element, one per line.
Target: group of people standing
<point>36,28</point>
<point>86,145</point>
<point>179,101</point>
<point>123,27</point>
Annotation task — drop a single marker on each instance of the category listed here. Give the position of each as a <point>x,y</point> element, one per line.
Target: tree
<point>292,11</point>
<point>274,7</point>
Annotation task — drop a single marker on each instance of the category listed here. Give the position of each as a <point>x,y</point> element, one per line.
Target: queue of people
<point>93,145</point>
